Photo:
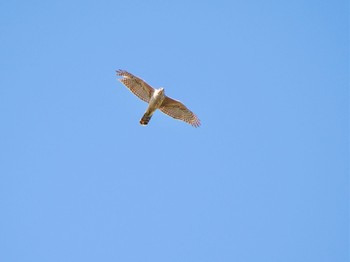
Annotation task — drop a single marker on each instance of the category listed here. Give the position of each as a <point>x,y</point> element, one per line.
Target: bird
<point>156,99</point>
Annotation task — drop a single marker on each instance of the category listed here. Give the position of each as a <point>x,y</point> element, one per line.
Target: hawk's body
<point>156,99</point>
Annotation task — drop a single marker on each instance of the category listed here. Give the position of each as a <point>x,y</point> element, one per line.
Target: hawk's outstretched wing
<point>136,85</point>
<point>177,110</point>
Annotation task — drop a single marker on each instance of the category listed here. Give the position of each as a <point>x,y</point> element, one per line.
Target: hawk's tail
<point>145,119</point>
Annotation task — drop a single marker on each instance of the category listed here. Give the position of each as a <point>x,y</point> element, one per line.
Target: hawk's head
<point>161,91</point>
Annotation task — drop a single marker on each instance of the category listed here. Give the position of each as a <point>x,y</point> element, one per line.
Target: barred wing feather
<point>179,111</point>
<point>136,85</point>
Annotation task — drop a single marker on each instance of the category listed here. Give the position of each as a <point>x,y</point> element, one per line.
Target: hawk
<point>156,99</point>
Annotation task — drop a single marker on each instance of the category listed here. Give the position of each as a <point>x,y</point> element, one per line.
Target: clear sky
<point>265,178</point>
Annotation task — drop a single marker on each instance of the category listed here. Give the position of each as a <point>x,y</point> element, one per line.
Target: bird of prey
<point>156,99</point>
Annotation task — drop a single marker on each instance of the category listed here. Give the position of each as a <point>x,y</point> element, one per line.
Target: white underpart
<point>155,101</point>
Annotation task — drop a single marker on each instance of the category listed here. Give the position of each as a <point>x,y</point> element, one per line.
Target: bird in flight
<point>156,99</point>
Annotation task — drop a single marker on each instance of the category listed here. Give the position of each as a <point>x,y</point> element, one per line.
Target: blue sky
<point>265,178</point>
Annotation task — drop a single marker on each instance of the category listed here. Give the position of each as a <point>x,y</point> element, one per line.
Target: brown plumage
<point>156,99</point>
